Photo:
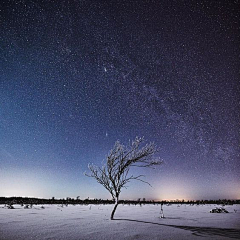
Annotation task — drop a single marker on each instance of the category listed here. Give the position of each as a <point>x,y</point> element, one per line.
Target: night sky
<point>78,75</point>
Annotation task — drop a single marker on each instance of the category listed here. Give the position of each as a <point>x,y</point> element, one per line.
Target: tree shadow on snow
<point>198,231</point>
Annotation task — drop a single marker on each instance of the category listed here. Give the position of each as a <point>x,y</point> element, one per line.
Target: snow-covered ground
<point>132,222</point>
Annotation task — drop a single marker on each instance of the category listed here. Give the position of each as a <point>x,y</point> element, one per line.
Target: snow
<point>131,222</point>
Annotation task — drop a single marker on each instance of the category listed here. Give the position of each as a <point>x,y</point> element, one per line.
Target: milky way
<point>75,76</point>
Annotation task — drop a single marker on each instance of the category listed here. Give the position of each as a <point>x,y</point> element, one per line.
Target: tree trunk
<point>114,209</point>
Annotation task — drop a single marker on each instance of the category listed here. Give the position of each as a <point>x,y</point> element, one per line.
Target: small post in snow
<point>162,215</point>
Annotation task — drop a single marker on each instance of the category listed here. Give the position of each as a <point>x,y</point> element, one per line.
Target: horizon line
<point>137,199</point>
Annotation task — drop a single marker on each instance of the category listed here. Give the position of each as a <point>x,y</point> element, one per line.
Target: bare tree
<point>114,174</point>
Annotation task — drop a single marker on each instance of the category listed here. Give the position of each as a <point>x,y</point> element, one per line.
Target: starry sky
<point>76,76</point>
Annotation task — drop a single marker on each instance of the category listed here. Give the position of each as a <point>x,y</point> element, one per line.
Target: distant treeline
<point>36,201</point>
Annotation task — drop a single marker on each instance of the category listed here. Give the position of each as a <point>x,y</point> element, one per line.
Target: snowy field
<point>132,222</point>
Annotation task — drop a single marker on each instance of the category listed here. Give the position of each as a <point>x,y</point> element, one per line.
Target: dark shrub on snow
<point>218,210</point>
